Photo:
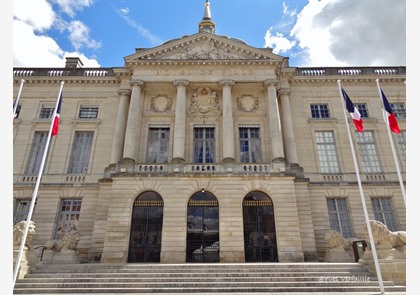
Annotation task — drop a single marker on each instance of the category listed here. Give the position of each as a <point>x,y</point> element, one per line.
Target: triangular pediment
<point>203,46</point>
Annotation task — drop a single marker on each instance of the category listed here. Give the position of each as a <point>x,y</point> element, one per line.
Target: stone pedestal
<point>28,261</point>
<point>392,264</point>
<point>338,255</point>
<point>67,256</point>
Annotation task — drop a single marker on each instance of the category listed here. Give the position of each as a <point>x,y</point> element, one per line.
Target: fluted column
<point>120,124</point>
<point>288,133</point>
<point>274,118</point>
<point>133,121</point>
<point>178,155</point>
<point>228,131</point>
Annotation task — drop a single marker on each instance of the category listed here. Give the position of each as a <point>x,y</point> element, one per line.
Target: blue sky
<point>309,32</point>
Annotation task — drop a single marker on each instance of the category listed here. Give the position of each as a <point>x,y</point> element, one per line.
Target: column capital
<point>124,91</point>
<point>271,82</point>
<point>283,91</point>
<point>139,83</point>
<point>227,82</point>
<point>181,82</point>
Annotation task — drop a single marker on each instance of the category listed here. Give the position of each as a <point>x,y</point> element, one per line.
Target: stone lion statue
<point>19,230</point>
<point>335,240</point>
<point>383,236</point>
<point>68,242</point>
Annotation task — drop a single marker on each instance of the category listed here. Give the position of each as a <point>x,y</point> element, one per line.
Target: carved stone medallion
<point>161,103</point>
<point>247,103</point>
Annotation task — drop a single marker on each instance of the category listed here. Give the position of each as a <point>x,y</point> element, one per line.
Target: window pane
<point>250,145</point>
<point>46,112</point>
<point>368,153</point>
<point>327,155</point>
<point>68,217</point>
<point>339,216</point>
<point>320,111</point>
<point>383,211</point>
<point>157,145</point>
<point>37,151</point>
<point>82,144</point>
<point>88,112</point>
<point>204,145</point>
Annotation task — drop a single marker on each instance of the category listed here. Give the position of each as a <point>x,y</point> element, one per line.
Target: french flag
<point>54,131</point>
<point>389,115</point>
<point>354,112</point>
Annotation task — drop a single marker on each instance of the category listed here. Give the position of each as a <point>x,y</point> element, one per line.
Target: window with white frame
<point>80,155</point>
<point>157,145</point>
<point>398,109</point>
<point>368,152</point>
<point>383,211</point>
<point>37,150</point>
<point>250,145</point>
<point>46,112</point>
<point>327,152</point>
<point>21,210</point>
<point>339,216</point>
<point>68,217</point>
<point>402,147</point>
<point>319,111</point>
<point>88,112</point>
<point>204,144</point>
<point>363,110</point>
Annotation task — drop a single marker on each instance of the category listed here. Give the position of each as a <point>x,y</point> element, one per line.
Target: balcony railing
<point>350,71</point>
<point>61,72</point>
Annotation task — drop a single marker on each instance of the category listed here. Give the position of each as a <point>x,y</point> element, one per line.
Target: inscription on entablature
<point>204,72</point>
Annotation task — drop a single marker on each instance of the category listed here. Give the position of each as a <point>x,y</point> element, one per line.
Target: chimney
<point>73,62</point>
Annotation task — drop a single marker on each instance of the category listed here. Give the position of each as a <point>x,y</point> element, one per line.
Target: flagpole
<point>356,167</point>
<point>391,141</point>
<point>35,192</point>
<point>15,105</point>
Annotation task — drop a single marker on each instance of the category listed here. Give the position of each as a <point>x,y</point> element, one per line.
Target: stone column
<point>180,119</point>
<point>120,125</point>
<point>227,127</point>
<point>289,135</point>
<point>274,118</point>
<point>133,121</point>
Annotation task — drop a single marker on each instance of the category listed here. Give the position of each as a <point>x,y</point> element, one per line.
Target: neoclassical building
<point>206,149</point>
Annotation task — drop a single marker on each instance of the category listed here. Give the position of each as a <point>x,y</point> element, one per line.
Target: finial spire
<point>207,25</point>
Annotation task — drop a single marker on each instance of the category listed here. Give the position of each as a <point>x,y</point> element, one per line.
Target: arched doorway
<point>203,228</point>
<point>259,228</point>
<point>146,228</point>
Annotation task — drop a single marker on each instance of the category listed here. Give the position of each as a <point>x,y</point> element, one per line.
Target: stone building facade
<point>205,149</point>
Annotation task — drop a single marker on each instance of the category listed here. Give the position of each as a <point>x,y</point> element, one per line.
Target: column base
<point>178,161</point>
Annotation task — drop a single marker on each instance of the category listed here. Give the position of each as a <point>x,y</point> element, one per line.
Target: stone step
<point>200,278</point>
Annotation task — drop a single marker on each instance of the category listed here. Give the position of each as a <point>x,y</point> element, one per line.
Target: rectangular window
<point>68,217</point>
<point>79,160</point>
<point>37,151</point>
<point>399,109</point>
<point>402,146</point>
<point>88,112</point>
<point>320,111</point>
<point>46,112</point>
<point>21,210</point>
<point>157,145</point>
<point>362,108</point>
<point>204,145</point>
<point>382,209</point>
<point>327,154</point>
<point>339,216</point>
<point>250,145</point>
<point>368,152</point>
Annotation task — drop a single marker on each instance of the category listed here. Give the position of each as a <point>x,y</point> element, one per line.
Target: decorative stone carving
<point>247,103</point>
<point>204,100</point>
<point>390,251</point>
<point>19,230</point>
<point>161,103</point>
<point>339,247</point>
<point>65,250</point>
<point>206,51</point>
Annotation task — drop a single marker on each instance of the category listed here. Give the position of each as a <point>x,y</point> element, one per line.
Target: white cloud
<point>79,36</point>
<point>33,47</point>
<point>345,33</point>
<point>278,42</point>
<point>71,6</point>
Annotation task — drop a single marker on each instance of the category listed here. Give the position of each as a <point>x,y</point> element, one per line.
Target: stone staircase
<point>219,278</point>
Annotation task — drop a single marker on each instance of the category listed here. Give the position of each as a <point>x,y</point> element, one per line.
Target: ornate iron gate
<point>203,228</point>
<point>146,228</point>
<point>259,228</point>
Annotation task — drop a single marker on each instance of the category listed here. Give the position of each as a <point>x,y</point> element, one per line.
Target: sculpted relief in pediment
<point>204,100</point>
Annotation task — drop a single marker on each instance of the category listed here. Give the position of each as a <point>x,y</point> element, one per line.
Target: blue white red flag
<point>354,112</point>
<point>54,131</point>
<point>389,115</point>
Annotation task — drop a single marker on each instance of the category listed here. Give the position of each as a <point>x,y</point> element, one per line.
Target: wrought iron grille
<point>203,228</point>
<point>146,229</point>
<point>259,228</point>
